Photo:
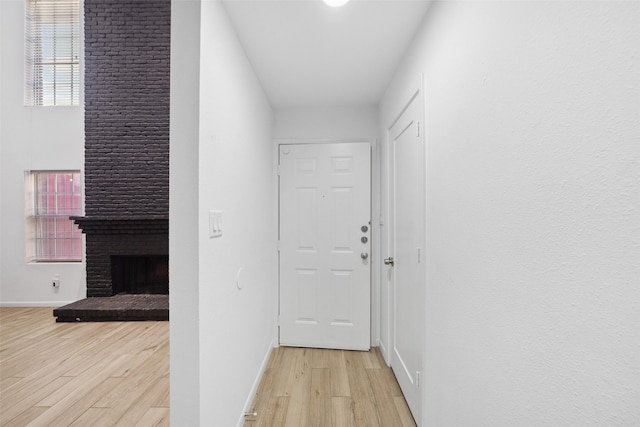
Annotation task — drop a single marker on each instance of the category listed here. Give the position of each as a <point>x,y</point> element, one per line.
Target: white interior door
<point>325,233</point>
<point>407,237</point>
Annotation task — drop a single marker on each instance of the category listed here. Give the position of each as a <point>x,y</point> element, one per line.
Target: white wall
<point>32,138</point>
<point>184,229</point>
<point>236,168</point>
<point>1,198</point>
<point>341,124</point>
<point>533,174</point>
<point>355,123</point>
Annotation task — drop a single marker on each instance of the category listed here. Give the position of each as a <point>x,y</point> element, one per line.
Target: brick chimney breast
<point>126,95</point>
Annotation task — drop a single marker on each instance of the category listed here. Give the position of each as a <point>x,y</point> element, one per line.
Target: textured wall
<point>533,207</point>
<point>127,107</point>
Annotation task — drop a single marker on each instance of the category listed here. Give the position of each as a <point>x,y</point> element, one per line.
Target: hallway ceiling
<point>307,54</point>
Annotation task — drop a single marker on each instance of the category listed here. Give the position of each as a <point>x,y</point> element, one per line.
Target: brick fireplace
<point>126,172</point>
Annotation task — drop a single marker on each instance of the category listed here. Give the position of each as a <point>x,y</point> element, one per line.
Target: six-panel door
<point>325,240</point>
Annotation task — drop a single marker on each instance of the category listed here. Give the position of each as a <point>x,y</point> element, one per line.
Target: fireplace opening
<point>140,274</point>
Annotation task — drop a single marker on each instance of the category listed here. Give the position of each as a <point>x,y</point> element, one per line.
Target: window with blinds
<point>52,197</point>
<point>52,56</point>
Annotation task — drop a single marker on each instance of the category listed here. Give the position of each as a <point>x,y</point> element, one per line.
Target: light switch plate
<point>215,224</point>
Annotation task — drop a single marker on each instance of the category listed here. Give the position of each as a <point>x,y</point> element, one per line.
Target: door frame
<point>387,315</point>
<point>375,208</point>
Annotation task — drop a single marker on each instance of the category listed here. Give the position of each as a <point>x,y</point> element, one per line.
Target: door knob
<point>389,261</point>
<point>364,255</point>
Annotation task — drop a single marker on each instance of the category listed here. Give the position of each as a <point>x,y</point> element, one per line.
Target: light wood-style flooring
<point>328,388</point>
<point>117,374</point>
<point>82,374</point>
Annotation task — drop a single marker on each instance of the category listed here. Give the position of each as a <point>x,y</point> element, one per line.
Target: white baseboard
<point>27,304</point>
<point>256,384</point>
<point>385,353</point>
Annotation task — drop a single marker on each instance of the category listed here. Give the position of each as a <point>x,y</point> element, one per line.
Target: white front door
<point>407,241</point>
<point>325,240</point>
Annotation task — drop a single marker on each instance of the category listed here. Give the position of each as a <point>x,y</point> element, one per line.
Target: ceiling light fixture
<point>335,3</point>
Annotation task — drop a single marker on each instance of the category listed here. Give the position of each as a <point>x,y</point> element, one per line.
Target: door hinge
<point>418,132</point>
<point>278,170</point>
<point>418,375</point>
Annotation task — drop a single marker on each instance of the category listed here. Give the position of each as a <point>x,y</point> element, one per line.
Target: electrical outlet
<point>55,282</point>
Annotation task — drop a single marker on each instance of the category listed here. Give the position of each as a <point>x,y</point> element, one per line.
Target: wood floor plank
<point>339,378</point>
<point>74,404</point>
<point>71,386</point>
<point>32,354</point>
<point>276,357</point>
<point>94,417</point>
<point>103,346</point>
<point>21,316</point>
<point>275,413</point>
<point>14,404</point>
<point>25,417</point>
<point>265,390</point>
<point>120,399</point>
<point>163,393</point>
<point>370,359</point>
<point>62,365</point>
<point>7,383</point>
<point>384,402</point>
<point>154,417</point>
<point>139,408</point>
<point>284,367</point>
<point>392,382</point>
<point>320,358</point>
<point>406,419</point>
<point>342,412</point>
<point>299,386</point>
<point>378,353</point>
<point>364,408</point>
<point>320,404</point>
<point>139,405</point>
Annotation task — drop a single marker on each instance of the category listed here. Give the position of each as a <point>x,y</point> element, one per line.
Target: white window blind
<point>52,57</point>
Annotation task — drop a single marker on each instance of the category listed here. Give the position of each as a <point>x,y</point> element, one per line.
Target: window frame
<point>50,227</point>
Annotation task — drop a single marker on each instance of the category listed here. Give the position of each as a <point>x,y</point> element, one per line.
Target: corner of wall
<point>183,213</point>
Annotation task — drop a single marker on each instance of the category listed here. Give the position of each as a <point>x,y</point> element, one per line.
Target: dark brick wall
<point>126,81</point>
<point>127,63</point>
